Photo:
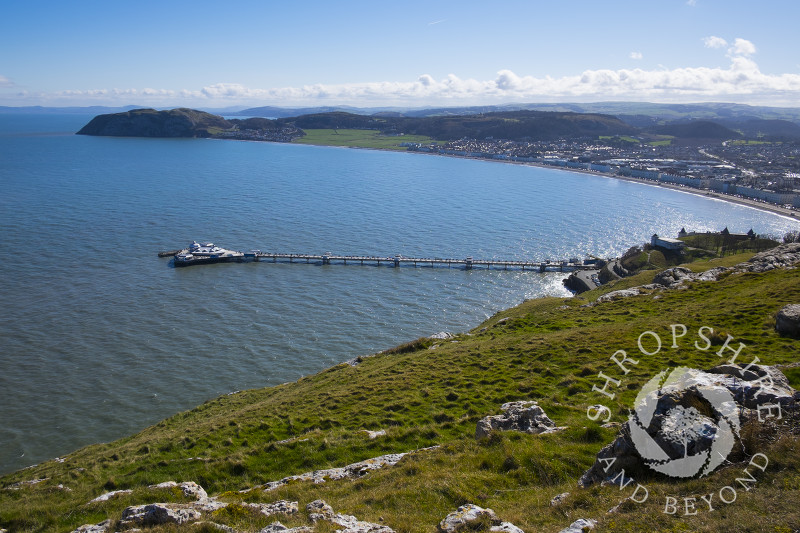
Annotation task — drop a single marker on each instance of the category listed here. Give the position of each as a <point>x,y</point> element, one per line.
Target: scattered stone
<point>783,256</point>
<point>218,527</point>
<point>580,525</point>
<point>506,527</point>
<point>787,322</point>
<point>465,516</point>
<point>374,434</point>
<point>20,484</point>
<point>108,495</point>
<point>102,527</point>
<point>277,527</point>
<point>442,335</point>
<point>559,499</point>
<point>319,510</point>
<point>351,471</point>
<point>618,295</point>
<point>155,514</point>
<point>278,507</point>
<point>523,416</point>
<point>672,277</point>
<point>190,489</point>
<point>352,525</point>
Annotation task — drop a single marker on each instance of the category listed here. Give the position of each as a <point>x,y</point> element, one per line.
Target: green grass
<point>548,349</point>
<point>359,139</point>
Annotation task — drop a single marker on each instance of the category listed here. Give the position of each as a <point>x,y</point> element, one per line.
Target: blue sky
<point>215,54</point>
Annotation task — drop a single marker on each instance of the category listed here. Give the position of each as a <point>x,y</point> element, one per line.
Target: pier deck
<point>328,258</point>
<point>467,263</point>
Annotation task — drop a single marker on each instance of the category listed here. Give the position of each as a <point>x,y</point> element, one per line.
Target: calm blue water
<point>100,338</point>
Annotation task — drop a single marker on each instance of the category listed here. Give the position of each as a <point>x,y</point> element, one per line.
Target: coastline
<point>793,214</point>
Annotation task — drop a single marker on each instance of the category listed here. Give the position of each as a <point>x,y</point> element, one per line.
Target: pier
<point>468,263</point>
<point>186,258</point>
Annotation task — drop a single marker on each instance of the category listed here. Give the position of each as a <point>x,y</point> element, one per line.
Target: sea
<point>101,338</point>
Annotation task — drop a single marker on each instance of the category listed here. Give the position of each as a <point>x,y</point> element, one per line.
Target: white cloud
<point>742,47</point>
<point>6,83</point>
<point>635,55</point>
<point>715,42</point>
<point>691,3</point>
<point>740,81</point>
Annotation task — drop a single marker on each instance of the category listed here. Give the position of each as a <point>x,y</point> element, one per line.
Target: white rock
<point>158,513</point>
<point>464,516</point>
<point>108,495</point>
<point>580,525</point>
<point>102,527</point>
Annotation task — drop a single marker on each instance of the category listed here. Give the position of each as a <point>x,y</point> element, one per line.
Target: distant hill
<point>512,125</point>
<point>151,123</point>
<point>696,129</point>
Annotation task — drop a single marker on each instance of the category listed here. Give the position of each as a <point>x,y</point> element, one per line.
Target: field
<point>359,139</point>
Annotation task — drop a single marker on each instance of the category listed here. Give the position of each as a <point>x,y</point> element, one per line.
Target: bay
<point>101,338</point>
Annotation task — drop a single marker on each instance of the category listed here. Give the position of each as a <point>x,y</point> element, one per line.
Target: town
<point>758,171</point>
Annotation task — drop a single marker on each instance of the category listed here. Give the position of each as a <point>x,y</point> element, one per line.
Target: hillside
<point>151,123</point>
<point>426,397</point>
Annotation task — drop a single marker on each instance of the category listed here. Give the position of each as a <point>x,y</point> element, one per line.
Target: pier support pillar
<point>468,263</point>
<point>397,262</point>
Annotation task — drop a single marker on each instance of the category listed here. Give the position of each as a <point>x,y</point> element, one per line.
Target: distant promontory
<point>181,122</point>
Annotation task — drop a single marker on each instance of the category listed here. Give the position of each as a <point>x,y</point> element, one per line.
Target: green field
<point>432,392</point>
<point>359,139</point>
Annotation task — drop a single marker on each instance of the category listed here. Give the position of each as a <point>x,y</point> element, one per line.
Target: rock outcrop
<point>580,526</point>
<point>351,471</point>
<point>318,511</point>
<point>156,514</point>
<point>523,416</point>
<point>787,321</point>
<point>686,423</point>
<point>468,517</point>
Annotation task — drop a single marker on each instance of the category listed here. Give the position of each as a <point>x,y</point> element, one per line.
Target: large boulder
<point>156,514</point>
<point>465,517</point>
<point>525,416</point>
<point>787,321</point>
<point>687,422</point>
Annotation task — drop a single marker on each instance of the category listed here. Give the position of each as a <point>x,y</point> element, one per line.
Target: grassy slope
<point>549,349</point>
<point>358,139</point>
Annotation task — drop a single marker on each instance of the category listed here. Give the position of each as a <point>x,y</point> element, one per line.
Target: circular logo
<point>683,423</point>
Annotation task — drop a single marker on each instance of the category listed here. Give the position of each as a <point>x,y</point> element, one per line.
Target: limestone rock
<point>506,527</point>
<point>278,507</point>
<point>522,416</point>
<point>108,495</point>
<point>787,322</point>
<point>351,471</point>
<point>158,513</point>
<point>465,516</point>
<point>102,527</point>
<point>559,499</point>
<point>783,256</point>
<point>319,510</point>
<point>277,527</point>
<point>190,489</point>
<point>690,421</point>
<point>442,335</point>
<point>352,525</point>
<point>618,295</point>
<point>673,276</point>
<point>580,525</point>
